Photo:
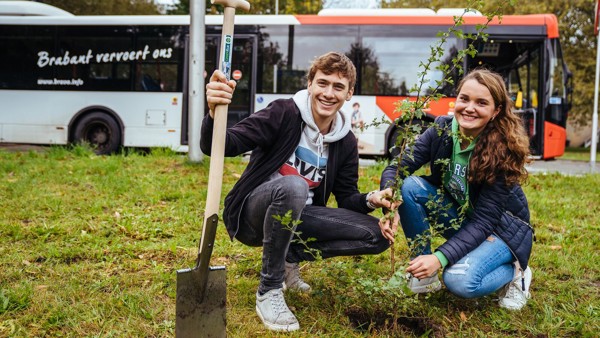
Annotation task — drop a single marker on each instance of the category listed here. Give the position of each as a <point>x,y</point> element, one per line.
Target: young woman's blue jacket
<point>498,208</point>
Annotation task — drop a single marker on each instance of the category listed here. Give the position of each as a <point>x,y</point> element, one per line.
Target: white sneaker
<point>292,279</point>
<point>515,294</point>
<point>424,285</point>
<point>274,312</point>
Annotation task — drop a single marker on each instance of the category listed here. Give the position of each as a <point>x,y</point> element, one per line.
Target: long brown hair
<point>502,149</point>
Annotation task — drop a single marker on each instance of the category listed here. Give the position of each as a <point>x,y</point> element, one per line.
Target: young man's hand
<point>424,266</point>
<point>389,226</point>
<point>218,91</point>
<point>382,199</point>
<point>388,223</point>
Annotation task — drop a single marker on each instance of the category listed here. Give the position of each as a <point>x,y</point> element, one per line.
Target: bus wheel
<point>99,130</point>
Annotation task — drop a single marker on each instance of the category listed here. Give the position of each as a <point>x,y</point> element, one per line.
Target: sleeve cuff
<point>442,258</point>
<point>369,205</point>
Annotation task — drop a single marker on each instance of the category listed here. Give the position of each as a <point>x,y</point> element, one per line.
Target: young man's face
<point>328,94</point>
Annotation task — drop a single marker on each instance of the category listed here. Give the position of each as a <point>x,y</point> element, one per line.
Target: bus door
<point>243,71</point>
<point>518,61</point>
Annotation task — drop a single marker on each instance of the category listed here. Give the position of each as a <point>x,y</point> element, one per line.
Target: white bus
<point>118,81</point>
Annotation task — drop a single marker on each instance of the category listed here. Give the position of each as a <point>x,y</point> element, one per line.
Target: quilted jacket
<point>499,209</point>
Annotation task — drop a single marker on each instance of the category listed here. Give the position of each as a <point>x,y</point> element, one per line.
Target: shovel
<point>201,291</point>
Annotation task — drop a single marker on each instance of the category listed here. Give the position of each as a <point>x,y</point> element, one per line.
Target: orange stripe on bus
<point>390,106</point>
<point>548,20</point>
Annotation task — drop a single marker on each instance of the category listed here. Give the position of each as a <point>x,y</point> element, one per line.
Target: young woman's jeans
<point>482,271</point>
<point>331,231</point>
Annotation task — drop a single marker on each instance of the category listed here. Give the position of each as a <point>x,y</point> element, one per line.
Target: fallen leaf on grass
<point>555,247</point>
<point>463,316</point>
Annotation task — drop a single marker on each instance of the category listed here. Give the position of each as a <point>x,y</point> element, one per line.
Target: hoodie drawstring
<point>320,139</point>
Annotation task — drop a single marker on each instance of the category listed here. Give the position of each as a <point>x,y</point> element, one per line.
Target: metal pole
<point>595,115</point>
<point>196,78</point>
<point>276,7</point>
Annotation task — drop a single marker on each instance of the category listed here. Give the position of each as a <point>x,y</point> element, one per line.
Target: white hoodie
<point>309,160</point>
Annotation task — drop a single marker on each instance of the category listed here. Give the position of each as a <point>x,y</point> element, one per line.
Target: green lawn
<point>579,154</point>
<point>89,247</point>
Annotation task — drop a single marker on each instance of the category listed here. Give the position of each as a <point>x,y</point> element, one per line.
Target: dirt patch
<point>14,147</point>
<point>381,321</point>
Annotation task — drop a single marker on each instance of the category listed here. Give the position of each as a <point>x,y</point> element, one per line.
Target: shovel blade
<point>197,315</point>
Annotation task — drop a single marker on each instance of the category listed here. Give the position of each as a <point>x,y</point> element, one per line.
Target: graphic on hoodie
<point>309,160</point>
<point>306,164</point>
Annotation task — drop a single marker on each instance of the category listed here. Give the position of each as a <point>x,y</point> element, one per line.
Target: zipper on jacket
<point>522,221</point>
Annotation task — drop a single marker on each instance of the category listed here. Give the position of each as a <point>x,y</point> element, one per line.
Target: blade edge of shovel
<point>201,316</point>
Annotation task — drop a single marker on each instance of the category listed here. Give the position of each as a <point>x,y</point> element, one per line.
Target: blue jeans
<point>482,271</point>
<point>332,231</point>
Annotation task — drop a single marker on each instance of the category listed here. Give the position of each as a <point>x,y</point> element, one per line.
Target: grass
<point>579,154</point>
<point>89,247</point>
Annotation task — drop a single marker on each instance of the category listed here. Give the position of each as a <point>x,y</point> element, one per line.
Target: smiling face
<point>327,96</point>
<point>474,108</point>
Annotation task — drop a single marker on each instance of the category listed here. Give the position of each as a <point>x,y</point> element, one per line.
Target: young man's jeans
<point>482,271</point>
<point>336,231</point>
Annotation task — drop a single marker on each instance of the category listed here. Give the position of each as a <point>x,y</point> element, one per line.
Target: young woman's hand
<point>424,266</point>
<point>218,91</point>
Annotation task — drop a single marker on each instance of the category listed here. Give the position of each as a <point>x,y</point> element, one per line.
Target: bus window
<point>558,78</point>
<point>243,68</point>
<point>162,69</point>
<point>390,61</point>
<point>94,74</point>
<point>20,66</point>
<point>293,48</point>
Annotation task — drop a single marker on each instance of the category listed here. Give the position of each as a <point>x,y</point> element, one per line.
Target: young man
<point>302,151</point>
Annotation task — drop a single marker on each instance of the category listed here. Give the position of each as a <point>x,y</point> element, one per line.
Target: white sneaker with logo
<point>516,293</point>
<point>292,279</point>
<point>424,285</point>
<point>274,312</point>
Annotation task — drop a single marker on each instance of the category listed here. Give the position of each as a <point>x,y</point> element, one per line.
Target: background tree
<point>259,7</point>
<point>105,7</point>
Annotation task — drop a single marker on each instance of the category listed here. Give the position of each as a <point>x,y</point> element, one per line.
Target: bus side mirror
<point>519,100</point>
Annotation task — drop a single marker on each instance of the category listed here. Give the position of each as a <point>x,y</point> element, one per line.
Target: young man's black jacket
<point>272,134</point>
<point>498,209</point>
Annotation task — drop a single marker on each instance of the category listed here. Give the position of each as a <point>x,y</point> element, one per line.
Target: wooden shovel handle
<point>217,153</point>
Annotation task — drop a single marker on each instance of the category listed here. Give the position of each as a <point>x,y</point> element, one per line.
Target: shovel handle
<point>215,176</point>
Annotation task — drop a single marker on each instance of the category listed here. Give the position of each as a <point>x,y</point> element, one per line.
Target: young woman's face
<point>474,108</point>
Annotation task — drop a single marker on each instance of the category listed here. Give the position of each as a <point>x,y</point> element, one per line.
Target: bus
<point>121,81</point>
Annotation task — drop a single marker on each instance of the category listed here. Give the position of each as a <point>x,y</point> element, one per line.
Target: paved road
<point>566,167</point>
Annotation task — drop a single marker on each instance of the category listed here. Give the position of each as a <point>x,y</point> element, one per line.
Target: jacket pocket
<point>518,235</point>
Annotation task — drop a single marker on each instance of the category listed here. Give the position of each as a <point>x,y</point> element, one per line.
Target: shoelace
<point>514,291</point>
<point>278,303</point>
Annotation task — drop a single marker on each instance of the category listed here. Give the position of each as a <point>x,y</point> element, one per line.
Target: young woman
<point>485,149</point>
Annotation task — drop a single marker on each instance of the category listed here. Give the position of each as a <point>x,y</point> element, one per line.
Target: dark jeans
<point>332,231</point>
